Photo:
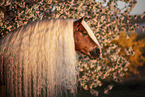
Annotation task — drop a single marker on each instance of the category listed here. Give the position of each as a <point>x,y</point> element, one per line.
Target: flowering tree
<point>105,19</point>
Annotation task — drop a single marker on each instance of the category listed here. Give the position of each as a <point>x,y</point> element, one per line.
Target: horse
<point>39,59</point>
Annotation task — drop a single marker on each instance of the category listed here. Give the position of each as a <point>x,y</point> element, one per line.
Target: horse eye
<point>82,32</point>
<point>85,33</point>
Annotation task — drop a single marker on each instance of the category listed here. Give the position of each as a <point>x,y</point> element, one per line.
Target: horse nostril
<point>95,53</point>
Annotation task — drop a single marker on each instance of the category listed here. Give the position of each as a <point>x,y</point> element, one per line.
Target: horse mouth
<point>95,53</point>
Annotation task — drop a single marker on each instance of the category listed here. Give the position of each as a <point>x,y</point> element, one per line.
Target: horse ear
<point>81,19</point>
<point>78,22</point>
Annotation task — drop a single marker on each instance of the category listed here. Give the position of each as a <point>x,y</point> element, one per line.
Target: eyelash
<point>85,34</point>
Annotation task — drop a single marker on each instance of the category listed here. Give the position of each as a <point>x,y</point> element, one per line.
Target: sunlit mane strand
<point>40,59</point>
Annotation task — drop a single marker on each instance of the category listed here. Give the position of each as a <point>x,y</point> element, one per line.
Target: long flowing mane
<point>40,58</point>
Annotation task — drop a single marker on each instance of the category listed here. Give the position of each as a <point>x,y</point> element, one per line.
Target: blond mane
<point>40,59</point>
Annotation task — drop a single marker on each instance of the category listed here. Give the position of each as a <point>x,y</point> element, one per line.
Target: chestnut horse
<point>39,59</point>
<point>85,41</point>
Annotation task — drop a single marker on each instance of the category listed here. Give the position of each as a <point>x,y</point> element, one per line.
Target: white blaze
<point>91,34</point>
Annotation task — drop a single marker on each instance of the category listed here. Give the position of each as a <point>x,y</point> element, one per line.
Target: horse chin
<point>93,57</point>
<point>92,54</point>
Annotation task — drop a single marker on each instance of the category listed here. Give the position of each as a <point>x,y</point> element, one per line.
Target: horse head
<point>85,41</point>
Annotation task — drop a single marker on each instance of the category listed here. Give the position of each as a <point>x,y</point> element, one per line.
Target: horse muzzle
<point>95,53</point>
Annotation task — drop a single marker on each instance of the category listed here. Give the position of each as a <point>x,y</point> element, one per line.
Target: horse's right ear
<point>78,22</point>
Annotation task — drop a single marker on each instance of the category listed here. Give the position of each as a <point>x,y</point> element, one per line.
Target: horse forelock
<point>90,32</point>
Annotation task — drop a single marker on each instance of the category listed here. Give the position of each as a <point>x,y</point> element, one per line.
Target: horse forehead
<point>90,32</point>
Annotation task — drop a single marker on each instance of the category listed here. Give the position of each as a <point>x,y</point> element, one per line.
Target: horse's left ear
<point>81,19</point>
<point>78,22</point>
